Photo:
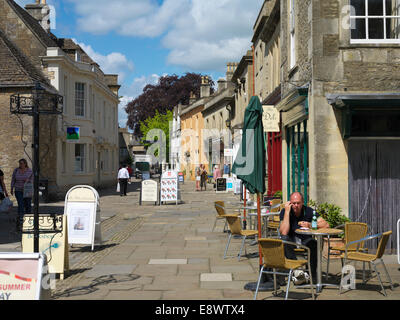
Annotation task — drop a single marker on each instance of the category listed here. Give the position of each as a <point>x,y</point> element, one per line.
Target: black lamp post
<point>38,102</point>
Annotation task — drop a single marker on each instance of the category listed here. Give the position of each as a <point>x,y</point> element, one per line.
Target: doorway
<point>374,186</point>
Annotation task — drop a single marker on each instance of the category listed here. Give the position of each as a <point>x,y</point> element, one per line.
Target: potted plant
<point>278,194</point>
<point>332,214</point>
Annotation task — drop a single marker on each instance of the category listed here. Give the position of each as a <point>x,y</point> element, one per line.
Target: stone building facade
<point>266,44</point>
<point>192,125</point>
<point>70,72</point>
<point>218,114</point>
<point>340,103</point>
<point>243,80</point>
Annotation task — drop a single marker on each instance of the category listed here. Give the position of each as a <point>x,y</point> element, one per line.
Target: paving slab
<point>197,294</point>
<point>215,277</point>
<point>133,295</point>
<point>168,261</point>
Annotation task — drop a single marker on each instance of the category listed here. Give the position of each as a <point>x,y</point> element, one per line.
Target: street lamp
<point>39,102</point>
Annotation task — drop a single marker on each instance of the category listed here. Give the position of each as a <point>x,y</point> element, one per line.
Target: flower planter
<point>334,242</point>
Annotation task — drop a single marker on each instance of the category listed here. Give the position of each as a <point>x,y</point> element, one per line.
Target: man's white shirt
<point>123,173</point>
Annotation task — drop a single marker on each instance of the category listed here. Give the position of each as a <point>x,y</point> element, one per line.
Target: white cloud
<point>113,63</point>
<point>200,34</point>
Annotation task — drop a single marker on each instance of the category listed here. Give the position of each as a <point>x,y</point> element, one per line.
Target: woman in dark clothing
<point>203,177</point>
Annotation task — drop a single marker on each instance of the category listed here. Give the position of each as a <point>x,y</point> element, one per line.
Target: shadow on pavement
<point>88,248</point>
<point>97,282</point>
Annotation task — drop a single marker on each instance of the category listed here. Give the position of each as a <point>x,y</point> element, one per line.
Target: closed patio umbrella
<point>250,165</point>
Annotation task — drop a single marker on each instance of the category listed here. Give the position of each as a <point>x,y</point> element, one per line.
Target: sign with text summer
<point>20,276</point>
<point>271,119</point>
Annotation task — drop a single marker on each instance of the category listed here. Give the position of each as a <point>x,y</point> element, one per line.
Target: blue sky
<point>142,40</point>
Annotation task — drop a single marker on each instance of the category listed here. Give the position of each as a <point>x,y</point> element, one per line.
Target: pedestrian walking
<point>198,178</point>
<point>21,183</point>
<point>203,177</point>
<point>123,178</point>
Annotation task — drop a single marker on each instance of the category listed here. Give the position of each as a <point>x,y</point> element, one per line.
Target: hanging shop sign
<point>73,134</point>
<point>271,119</point>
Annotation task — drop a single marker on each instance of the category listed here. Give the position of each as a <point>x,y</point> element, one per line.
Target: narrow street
<point>172,252</point>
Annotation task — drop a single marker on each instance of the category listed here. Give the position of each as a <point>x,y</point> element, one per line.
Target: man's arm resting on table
<point>321,223</point>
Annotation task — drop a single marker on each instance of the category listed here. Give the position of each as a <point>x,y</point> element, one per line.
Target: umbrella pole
<point>244,211</point>
<point>259,225</point>
<point>266,283</point>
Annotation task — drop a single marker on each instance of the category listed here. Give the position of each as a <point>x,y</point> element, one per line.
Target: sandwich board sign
<point>53,243</point>
<point>149,191</point>
<point>221,185</point>
<point>83,215</point>
<point>169,187</point>
<point>22,276</point>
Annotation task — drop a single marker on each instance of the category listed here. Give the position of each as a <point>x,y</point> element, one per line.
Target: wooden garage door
<point>374,186</point>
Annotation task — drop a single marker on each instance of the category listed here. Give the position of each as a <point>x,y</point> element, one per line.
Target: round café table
<point>252,214</point>
<point>319,234</point>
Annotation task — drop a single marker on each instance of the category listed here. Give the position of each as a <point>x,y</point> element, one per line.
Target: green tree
<point>165,95</point>
<point>158,122</point>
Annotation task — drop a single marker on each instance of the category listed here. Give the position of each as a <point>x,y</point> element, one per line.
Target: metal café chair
<point>372,259</point>
<point>273,254</point>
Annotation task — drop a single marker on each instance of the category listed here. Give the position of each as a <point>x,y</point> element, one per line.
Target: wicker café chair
<point>370,258</point>
<point>274,257</point>
<point>220,207</point>
<point>352,231</point>
<point>236,230</point>
<point>274,221</point>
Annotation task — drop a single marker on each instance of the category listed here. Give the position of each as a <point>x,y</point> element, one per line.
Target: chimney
<point>192,97</point>
<point>230,70</point>
<point>222,84</point>
<point>41,12</point>
<point>205,88</point>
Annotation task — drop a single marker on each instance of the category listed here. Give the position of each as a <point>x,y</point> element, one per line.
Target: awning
<point>367,115</point>
<point>369,100</point>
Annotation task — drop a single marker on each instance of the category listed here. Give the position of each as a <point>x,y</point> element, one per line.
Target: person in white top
<point>123,178</point>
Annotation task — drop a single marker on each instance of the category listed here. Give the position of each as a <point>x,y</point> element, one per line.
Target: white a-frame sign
<point>83,215</point>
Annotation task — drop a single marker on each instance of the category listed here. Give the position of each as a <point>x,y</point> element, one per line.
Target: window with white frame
<point>79,158</point>
<point>292,31</point>
<point>375,21</point>
<point>80,99</point>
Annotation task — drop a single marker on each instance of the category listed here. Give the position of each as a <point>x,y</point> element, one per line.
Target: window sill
<point>354,45</point>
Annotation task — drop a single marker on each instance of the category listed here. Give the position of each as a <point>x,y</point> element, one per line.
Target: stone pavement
<point>172,252</point>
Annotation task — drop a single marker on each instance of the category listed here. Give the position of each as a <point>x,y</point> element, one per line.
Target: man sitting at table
<point>294,216</point>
